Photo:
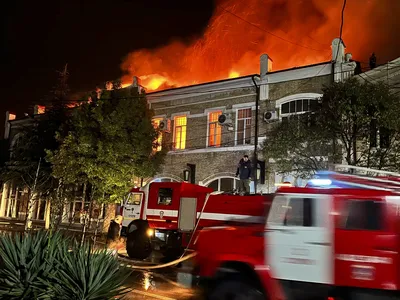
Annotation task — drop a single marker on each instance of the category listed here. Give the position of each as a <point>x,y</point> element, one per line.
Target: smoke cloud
<point>291,32</point>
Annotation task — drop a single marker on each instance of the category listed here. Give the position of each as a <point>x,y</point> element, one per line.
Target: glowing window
<point>180,132</point>
<point>156,123</point>
<point>214,129</point>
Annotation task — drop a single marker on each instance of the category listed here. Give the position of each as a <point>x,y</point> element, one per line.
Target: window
<point>299,212</point>
<point>299,106</point>
<point>278,210</point>
<point>156,123</point>
<point>165,196</point>
<point>292,212</point>
<point>362,215</point>
<point>214,129</point>
<point>180,132</point>
<point>243,126</point>
<point>225,184</point>
<point>164,179</point>
<point>384,135</point>
<point>384,138</point>
<point>135,198</point>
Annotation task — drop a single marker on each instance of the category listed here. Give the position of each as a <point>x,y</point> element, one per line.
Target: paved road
<point>169,283</point>
<point>158,285</point>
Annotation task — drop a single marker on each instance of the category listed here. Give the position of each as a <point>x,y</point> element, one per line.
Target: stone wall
<point>307,85</point>
<point>211,162</point>
<point>207,164</point>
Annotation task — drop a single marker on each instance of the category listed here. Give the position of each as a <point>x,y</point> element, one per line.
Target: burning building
<point>208,127</point>
<point>209,146</point>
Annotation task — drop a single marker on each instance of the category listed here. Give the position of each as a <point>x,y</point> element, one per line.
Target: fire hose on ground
<point>182,258</point>
<point>172,263</point>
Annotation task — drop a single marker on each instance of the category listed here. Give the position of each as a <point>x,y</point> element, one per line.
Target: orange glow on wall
<point>214,129</point>
<point>180,132</point>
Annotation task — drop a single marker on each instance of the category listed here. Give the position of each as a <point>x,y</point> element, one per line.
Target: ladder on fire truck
<point>380,178</point>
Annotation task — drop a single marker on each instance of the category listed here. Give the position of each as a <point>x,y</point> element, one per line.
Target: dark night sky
<point>39,37</point>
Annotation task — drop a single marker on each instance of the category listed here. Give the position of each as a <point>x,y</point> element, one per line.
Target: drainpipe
<point>255,157</point>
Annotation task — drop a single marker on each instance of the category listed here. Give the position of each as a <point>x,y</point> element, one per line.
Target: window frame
<point>312,221</point>
<point>285,116</point>
<point>244,128</point>
<point>175,128</point>
<point>217,126</point>
<point>345,213</point>
<point>158,196</point>
<point>218,179</point>
<point>131,200</point>
<point>280,210</point>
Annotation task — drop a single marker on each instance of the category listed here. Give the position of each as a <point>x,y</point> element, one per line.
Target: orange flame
<point>233,74</point>
<point>292,33</point>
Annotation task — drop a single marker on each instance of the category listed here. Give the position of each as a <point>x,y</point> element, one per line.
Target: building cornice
<point>209,88</point>
<point>311,71</point>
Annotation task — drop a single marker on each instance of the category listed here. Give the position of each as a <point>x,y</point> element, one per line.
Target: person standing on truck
<point>244,173</point>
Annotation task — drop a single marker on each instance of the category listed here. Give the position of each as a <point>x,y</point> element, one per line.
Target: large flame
<point>292,32</point>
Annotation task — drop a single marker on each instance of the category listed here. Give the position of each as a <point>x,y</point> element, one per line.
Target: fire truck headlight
<point>150,232</point>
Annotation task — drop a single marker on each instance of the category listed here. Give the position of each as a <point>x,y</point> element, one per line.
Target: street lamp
<point>186,175</point>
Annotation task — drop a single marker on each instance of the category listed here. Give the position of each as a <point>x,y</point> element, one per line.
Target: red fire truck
<point>336,238</point>
<point>167,216</point>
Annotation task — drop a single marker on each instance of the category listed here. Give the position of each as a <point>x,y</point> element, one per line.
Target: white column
<point>9,201</point>
<point>6,187</point>
<point>47,215</point>
<point>14,208</point>
<point>66,212</point>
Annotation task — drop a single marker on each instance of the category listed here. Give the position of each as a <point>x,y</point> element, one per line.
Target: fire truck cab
<point>338,237</point>
<point>167,216</point>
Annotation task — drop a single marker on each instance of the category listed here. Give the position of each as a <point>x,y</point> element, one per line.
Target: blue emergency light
<point>326,180</point>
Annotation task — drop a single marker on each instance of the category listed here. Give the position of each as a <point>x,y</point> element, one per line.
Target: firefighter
<point>244,173</point>
<point>114,230</point>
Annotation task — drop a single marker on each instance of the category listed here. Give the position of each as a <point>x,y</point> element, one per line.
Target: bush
<point>49,266</point>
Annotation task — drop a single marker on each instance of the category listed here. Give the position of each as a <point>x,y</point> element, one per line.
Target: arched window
<point>225,184</point>
<point>164,179</point>
<point>297,104</point>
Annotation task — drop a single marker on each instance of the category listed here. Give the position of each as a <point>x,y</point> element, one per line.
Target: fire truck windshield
<point>135,199</point>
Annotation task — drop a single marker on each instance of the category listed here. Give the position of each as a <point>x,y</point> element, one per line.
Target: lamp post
<point>255,156</point>
<point>186,174</point>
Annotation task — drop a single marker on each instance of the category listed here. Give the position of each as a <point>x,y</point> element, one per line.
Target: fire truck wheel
<point>235,289</point>
<point>138,244</point>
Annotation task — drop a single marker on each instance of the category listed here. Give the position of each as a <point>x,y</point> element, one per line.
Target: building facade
<point>202,150</point>
<point>211,152</point>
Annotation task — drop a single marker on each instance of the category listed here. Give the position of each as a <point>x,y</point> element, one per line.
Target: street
<point>164,283</point>
<point>158,285</point>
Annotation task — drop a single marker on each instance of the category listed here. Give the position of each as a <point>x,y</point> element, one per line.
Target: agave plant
<point>26,261</point>
<point>49,266</point>
<point>87,275</point>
